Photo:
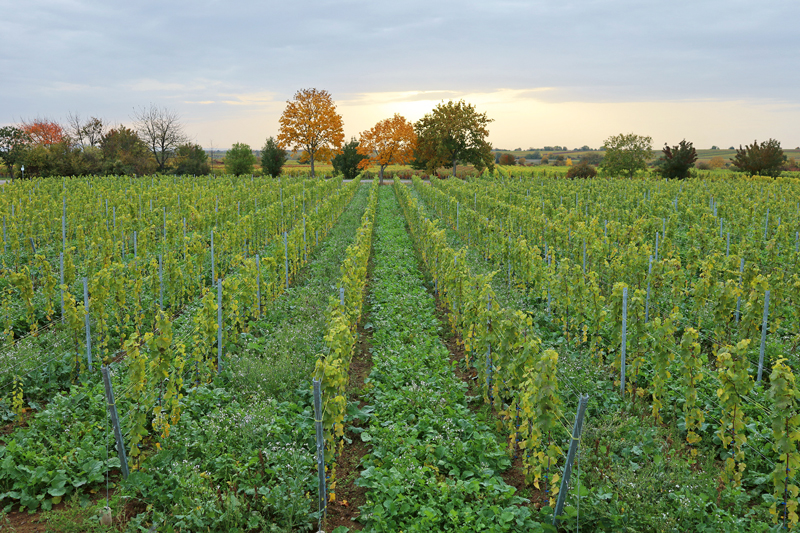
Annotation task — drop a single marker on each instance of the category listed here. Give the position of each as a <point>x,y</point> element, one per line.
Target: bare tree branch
<point>93,131</point>
<point>85,134</point>
<point>161,130</point>
<point>75,129</point>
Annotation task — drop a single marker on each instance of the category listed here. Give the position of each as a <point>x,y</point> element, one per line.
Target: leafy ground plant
<point>433,466</point>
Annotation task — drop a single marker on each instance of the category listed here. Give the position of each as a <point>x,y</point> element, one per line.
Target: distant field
<point>703,155</point>
<point>293,164</point>
<point>728,155</point>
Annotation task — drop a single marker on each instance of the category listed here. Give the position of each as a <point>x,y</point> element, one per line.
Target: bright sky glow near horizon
<point>567,73</point>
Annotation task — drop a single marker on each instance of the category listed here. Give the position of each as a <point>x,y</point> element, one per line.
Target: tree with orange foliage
<point>389,142</point>
<point>310,123</point>
<point>44,132</point>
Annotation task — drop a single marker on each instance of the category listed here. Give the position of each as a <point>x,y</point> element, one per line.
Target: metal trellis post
<point>763,337</point>
<point>88,330</point>
<point>112,410</point>
<point>573,448</point>
<point>219,326</point>
<point>624,343</point>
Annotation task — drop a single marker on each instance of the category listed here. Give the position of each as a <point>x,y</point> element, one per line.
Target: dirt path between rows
<point>344,510</point>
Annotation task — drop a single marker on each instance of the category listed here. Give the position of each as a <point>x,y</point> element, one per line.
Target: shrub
<point>508,159</point>
<point>346,162</point>
<point>677,161</point>
<point>717,162</point>
<point>764,159</point>
<point>272,158</point>
<point>191,159</point>
<point>582,170</point>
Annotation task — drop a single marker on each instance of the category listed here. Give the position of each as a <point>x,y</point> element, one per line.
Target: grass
<point>280,350</point>
<point>78,517</point>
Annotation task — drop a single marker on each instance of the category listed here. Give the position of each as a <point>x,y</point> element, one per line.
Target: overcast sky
<point>549,73</point>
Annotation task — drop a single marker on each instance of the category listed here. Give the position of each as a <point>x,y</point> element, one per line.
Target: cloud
<point>219,62</point>
<point>545,116</point>
<point>262,100</point>
<point>66,87</point>
<point>150,85</point>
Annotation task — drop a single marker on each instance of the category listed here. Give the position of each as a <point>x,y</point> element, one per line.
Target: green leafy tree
<point>60,159</point>
<point>239,160</point>
<point>123,152</point>
<point>627,153</point>
<point>39,161</point>
<point>190,158</point>
<point>12,146</point>
<point>454,132</point>
<point>272,158</point>
<point>677,161</point>
<point>419,162</point>
<point>346,162</point>
<point>764,159</point>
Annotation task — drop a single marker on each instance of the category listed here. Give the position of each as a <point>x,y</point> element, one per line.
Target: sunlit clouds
<point>718,72</point>
<point>522,119</point>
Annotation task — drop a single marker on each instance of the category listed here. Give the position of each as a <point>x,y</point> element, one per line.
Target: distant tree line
<point>453,133</point>
<point>556,148</point>
<point>155,143</point>
<point>627,154</point>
